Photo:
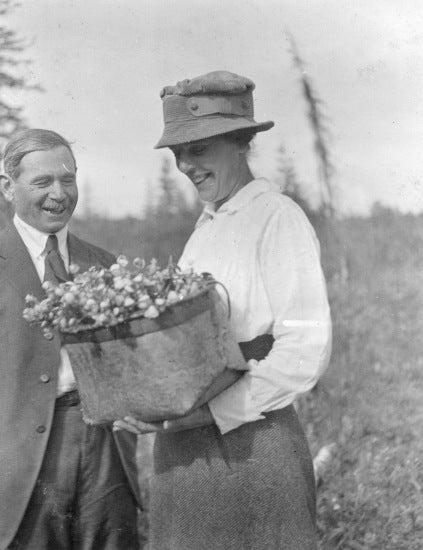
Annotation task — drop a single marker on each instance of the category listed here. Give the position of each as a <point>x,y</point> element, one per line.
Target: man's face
<point>45,192</point>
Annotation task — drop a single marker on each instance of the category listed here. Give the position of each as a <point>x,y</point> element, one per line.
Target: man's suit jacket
<point>28,380</point>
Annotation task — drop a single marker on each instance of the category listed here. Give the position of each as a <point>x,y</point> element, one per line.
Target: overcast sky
<point>102,64</point>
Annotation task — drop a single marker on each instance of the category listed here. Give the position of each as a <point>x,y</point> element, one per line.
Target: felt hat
<point>208,105</point>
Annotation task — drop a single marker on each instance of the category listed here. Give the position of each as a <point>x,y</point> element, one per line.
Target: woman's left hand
<point>199,417</point>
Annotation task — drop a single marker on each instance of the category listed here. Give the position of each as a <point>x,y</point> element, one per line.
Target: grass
<point>370,404</point>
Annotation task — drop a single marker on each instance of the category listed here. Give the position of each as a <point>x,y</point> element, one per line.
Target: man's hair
<point>27,141</point>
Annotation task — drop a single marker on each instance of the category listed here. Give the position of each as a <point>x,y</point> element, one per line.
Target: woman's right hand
<point>135,426</point>
<point>139,427</point>
<point>201,416</point>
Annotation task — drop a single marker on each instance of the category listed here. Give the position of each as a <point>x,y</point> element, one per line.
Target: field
<point>369,403</point>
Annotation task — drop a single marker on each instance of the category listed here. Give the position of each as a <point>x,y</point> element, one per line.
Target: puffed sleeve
<point>295,289</point>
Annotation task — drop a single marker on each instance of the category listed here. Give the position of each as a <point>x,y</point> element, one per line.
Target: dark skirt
<point>250,489</point>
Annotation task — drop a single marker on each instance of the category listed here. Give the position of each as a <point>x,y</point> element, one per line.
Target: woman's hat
<point>209,105</point>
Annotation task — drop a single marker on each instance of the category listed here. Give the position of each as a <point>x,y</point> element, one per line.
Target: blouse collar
<point>241,199</point>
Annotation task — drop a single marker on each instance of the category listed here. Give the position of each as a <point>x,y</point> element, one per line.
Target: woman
<point>237,473</point>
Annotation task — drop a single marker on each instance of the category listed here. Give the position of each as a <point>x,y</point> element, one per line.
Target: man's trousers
<point>82,499</point>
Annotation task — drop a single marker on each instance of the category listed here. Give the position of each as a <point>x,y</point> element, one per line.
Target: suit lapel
<point>16,265</point>
<point>79,253</point>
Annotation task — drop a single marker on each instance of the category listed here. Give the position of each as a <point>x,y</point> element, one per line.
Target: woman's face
<point>214,165</point>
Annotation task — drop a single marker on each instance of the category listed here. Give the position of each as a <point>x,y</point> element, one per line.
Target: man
<point>63,484</point>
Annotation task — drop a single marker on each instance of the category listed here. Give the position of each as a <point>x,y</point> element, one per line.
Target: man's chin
<point>50,222</point>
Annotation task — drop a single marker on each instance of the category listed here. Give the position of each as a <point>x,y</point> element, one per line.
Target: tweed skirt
<point>250,489</point>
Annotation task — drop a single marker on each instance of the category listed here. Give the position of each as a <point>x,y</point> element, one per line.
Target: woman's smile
<point>200,179</point>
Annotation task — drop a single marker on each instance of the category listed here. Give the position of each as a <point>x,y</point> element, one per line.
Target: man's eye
<point>41,183</point>
<point>68,181</point>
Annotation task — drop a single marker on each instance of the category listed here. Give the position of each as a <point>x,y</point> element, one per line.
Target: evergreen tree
<point>11,117</point>
<point>172,200</point>
<point>317,120</point>
<point>288,180</point>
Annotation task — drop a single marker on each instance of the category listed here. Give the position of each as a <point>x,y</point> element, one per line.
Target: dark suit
<point>28,385</point>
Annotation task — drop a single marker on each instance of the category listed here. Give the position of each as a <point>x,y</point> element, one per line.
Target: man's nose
<point>56,191</point>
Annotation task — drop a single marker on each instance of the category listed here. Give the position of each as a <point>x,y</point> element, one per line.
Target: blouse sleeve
<point>289,257</point>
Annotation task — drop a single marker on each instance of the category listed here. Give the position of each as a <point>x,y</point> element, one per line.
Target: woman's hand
<point>199,417</point>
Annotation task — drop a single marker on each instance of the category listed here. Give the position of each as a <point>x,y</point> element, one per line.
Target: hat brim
<point>194,130</point>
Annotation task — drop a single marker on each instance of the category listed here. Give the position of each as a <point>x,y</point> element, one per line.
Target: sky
<point>102,64</point>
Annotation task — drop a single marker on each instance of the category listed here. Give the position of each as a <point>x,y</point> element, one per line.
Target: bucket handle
<point>213,282</point>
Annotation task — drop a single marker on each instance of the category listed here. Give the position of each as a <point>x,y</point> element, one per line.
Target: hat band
<point>180,108</point>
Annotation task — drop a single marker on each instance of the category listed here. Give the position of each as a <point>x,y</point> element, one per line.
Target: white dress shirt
<point>35,241</point>
<point>261,246</point>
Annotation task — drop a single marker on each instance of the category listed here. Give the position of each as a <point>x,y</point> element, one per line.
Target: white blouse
<point>261,246</point>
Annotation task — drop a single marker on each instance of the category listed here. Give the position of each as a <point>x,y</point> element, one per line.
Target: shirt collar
<point>241,199</point>
<point>36,240</point>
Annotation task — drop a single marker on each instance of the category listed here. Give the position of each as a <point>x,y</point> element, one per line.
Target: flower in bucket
<point>102,297</point>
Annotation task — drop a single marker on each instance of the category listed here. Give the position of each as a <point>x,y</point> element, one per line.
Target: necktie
<point>54,266</point>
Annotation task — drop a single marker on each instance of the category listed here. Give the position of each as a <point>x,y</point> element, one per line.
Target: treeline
<point>351,247</point>
<point>159,237</point>
<point>354,246</point>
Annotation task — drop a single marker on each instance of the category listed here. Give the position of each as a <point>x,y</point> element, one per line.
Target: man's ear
<point>7,187</point>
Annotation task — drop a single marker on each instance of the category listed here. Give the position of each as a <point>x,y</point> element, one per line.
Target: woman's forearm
<point>223,381</point>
